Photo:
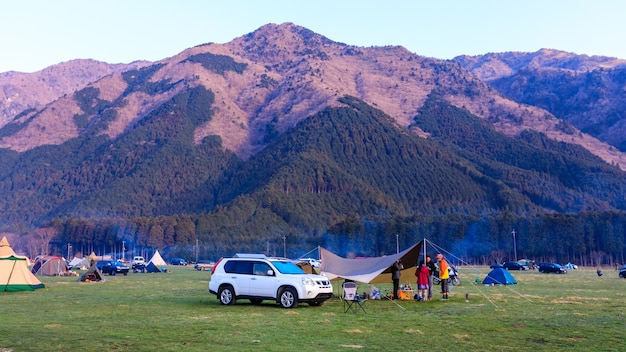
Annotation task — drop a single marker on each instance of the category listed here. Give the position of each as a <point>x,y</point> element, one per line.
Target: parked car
<point>515,266</point>
<point>551,268</point>
<point>314,262</point>
<point>178,261</point>
<point>259,278</point>
<point>496,265</point>
<point>112,267</point>
<point>202,265</point>
<point>622,272</point>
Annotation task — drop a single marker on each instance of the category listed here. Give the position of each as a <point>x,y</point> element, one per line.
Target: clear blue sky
<point>35,34</point>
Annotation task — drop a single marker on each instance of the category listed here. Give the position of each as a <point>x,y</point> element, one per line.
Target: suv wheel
<point>226,295</point>
<point>288,298</point>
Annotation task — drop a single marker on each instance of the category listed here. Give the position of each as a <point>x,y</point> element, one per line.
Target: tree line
<point>593,238</point>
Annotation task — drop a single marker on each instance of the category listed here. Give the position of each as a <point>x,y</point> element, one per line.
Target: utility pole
<point>284,246</point>
<point>397,243</point>
<point>514,246</point>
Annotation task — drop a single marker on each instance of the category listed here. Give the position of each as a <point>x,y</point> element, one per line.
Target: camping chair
<point>351,299</point>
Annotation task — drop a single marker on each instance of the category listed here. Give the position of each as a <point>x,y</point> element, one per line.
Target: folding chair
<point>351,299</point>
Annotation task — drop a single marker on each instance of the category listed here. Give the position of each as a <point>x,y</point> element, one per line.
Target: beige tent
<point>370,270</point>
<point>157,259</point>
<point>14,272</point>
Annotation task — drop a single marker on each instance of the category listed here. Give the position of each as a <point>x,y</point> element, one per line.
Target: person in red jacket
<point>443,276</point>
<point>423,275</point>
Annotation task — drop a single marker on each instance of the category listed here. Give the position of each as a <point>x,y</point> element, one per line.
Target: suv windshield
<point>287,267</point>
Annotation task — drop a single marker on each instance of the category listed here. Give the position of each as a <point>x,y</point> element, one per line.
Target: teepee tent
<point>157,259</point>
<point>14,273</point>
<point>370,270</point>
<point>499,276</point>
<point>93,274</point>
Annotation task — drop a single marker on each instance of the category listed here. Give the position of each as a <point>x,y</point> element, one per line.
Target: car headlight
<point>307,281</point>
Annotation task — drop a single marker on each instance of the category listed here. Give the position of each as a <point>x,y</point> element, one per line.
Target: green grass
<point>173,311</point>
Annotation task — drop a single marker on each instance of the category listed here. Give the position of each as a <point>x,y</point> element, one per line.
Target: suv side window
<point>261,269</point>
<point>238,267</point>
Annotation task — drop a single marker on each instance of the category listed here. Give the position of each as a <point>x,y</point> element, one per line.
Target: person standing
<point>443,276</point>
<point>395,277</point>
<point>423,275</point>
<point>431,270</point>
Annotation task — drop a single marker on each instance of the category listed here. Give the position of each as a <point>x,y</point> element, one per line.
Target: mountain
<point>283,129</point>
<point>586,91</point>
<point>28,92</point>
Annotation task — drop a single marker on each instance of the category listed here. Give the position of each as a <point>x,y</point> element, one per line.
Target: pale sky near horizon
<point>35,34</point>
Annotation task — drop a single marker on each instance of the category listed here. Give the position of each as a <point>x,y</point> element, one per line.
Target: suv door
<point>238,273</point>
<point>263,280</point>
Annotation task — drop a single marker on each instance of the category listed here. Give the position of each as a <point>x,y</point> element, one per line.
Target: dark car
<point>178,261</point>
<point>112,267</point>
<point>551,268</point>
<point>496,265</point>
<point>514,266</point>
<point>622,272</point>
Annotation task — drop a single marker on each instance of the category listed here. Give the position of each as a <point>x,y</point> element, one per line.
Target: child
<point>422,274</point>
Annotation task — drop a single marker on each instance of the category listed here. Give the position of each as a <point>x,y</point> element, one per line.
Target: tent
<point>370,270</point>
<point>307,267</point>
<point>499,276</point>
<point>80,263</point>
<point>14,273</point>
<point>152,268</point>
<point>157,259</point>
<point>49,265</point>
<point>93,274</point>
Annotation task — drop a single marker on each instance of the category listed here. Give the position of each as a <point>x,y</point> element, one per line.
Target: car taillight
<point>215,266</point>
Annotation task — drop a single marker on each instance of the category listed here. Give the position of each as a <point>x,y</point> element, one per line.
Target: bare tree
<point>497,256</point>
<point>597,258</point>
<point>43,236</point>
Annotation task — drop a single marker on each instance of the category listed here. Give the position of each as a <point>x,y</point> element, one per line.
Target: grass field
<point>173,311</point>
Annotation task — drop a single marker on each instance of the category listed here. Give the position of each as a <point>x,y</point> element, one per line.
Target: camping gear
<point>14,273</point>
<point>351,300</point>
<point>499,276</point>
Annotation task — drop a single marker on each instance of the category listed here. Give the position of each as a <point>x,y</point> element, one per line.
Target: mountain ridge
<point>292,73</point>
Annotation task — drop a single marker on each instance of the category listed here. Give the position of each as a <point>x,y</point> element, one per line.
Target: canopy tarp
<point>14,272</point>
<point>372,269</point>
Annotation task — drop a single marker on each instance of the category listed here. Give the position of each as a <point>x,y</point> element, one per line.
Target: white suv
<point>259,278</point>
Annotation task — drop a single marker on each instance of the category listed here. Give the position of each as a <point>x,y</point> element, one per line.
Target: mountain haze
<point>586,91</point>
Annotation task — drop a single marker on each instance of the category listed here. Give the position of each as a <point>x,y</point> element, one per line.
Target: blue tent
<point>499,276</point>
